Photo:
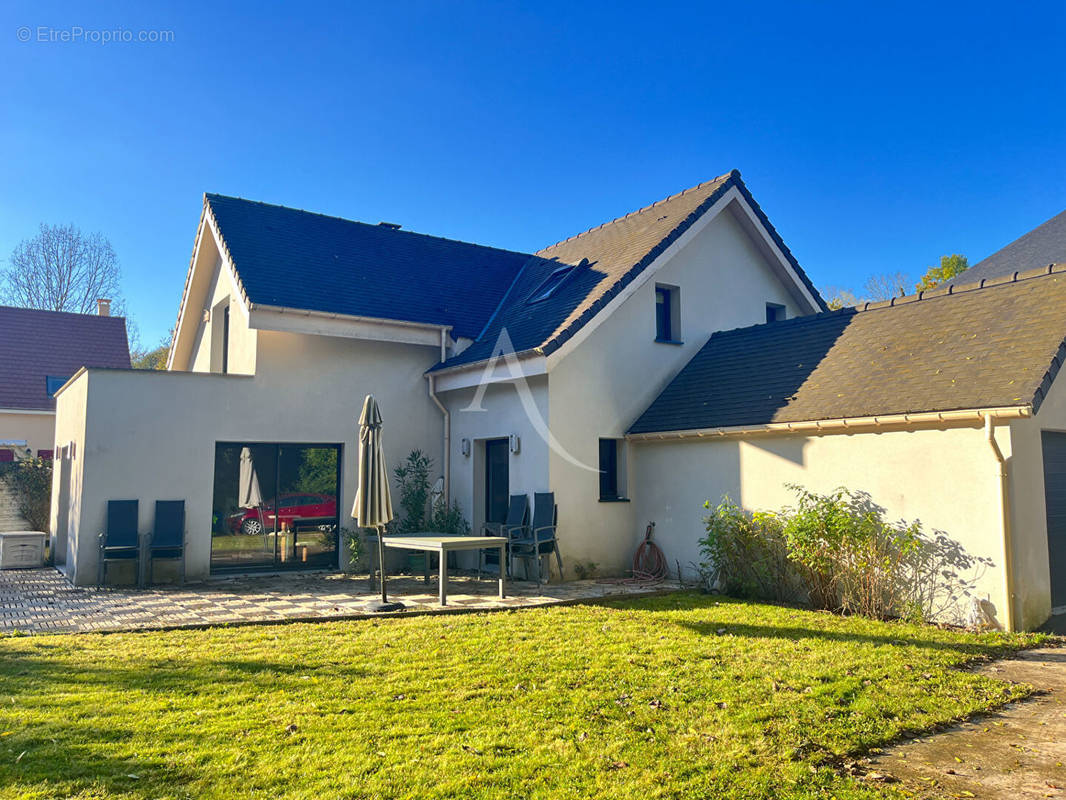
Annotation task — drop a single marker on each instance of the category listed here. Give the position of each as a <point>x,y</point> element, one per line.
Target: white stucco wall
<point>206,355</point>
<point>946,479</point>
<point>503,415</point>
<point>38,430</point>
<point>601,386</point>
<point>152,435</point>
<point>1028,511</point>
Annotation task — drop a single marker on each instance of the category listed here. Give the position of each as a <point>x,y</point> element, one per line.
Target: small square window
<point>775,312</point>
<point>612,469</point>
<point>53,383</point>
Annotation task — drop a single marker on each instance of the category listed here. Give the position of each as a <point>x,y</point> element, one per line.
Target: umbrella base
<point>382,608</point>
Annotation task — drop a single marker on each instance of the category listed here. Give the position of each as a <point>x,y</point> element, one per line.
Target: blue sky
<point>876,137</point>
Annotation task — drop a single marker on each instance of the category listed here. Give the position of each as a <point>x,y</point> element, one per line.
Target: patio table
<point>442,544</point>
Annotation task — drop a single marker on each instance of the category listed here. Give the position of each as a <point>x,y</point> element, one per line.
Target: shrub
<point>839,552</point>
<point>31,478</point>
<point>448,519</point>
<point>745,554</point>
<point>412,476</point>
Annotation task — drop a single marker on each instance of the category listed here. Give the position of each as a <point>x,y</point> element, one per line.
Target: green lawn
<point>677,696</point>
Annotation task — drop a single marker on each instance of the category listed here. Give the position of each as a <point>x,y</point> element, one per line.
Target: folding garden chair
<point>516,526</point>
<point>120,540</point>
<point>168,536</point>
<point>541,539</point>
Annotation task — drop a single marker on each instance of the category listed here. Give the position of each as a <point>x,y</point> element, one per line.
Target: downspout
<point>1004,505</point>
<point>447,420</point>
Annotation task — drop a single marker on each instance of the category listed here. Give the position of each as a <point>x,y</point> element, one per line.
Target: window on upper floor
<point>612,470</point>
<point>53,383</point>
<point>775,312</point>
<point>667,314</point>
<point>550,284</point>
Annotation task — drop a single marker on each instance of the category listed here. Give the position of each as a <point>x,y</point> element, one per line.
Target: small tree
<point>886,286</point>
<point>950,266</point>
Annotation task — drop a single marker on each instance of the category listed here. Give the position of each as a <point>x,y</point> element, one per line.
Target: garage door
<point>1054,445</point>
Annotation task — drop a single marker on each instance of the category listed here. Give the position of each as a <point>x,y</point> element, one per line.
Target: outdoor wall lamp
<point>464,447</point>
<point>514,443</point>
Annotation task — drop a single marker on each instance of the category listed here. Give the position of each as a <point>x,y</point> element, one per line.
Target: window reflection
<point>275,506</point>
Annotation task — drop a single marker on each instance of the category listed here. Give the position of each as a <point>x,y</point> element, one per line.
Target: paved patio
<point>42,601</point>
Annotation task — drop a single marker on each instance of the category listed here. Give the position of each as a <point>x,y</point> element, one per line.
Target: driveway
<point>1019,752</point>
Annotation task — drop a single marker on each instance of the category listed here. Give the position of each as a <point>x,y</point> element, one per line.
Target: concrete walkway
<point>42,601</point>
<point>1019,752</point>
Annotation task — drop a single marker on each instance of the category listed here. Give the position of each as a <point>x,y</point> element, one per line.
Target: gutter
<point>303,312</point>
<point>839,425</point>
<point>447,420</point>
<point>1004,509</point>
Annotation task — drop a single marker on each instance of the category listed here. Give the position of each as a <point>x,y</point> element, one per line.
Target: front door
<point>497,486</point>
<point>1054,447</point>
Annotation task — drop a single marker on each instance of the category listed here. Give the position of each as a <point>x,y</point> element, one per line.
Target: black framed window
<point>225,340</point>
<point>609,469</point>
<point>775,312</point>
<point>663,314</point>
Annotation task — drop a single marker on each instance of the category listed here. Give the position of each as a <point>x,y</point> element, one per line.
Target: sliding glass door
<point>276,506</point>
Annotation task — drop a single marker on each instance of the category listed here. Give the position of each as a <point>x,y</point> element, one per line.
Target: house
<point>636,369</point>
<point>1043,245</point>
<point>39,352</point>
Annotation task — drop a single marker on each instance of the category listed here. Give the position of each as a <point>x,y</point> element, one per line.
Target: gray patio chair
<point>541,539</point>
<point>168,536</point>
<point>516,526</point>
<point>120,540</point>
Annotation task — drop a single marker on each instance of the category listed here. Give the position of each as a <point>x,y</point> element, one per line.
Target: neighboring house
<point>1043,245</point>
<point>636,370</point>
<point>39,352</point>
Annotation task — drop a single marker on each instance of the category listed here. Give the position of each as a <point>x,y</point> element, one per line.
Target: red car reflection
<point>290,508</point>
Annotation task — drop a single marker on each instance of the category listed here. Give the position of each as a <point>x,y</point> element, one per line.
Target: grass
<point>683,695</point>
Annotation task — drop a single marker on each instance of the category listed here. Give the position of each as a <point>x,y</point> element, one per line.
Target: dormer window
<point>550,284</point>
<point>775,312</point>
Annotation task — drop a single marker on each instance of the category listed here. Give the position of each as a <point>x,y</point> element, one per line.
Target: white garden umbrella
<point>373,501</point>
<point>250,494</point>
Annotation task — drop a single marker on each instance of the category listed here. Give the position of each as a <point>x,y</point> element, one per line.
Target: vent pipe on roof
<point>103,307</point>
<point>392,226</point>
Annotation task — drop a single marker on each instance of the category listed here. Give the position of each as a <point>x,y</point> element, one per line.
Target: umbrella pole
<point>381,564</point>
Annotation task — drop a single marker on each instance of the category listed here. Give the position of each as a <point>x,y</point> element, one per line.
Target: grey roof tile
<point>964,348</point>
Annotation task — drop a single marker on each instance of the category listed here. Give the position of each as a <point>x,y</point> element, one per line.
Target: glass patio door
<point>275,506</point>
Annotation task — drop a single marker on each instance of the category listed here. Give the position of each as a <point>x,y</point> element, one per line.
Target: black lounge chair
<point>516,526</point>
<point>541,539</point>
<point>120,540</point>
<point>168,536</point>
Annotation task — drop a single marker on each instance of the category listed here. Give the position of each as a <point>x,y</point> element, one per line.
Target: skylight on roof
<point>551,283</point>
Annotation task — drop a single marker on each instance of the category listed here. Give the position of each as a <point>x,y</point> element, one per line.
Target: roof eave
<point>956,416</point>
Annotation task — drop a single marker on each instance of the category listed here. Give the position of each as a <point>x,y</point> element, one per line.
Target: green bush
<point>745,554</point>
<point>31,478</point>
<point>412,476</point>
<point>838,552</point>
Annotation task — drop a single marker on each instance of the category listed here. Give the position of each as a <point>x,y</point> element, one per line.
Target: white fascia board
<point>474,375</point>
<point>183,308</point>
<point>37,412</point>
<point>767,241</point>
<point>320,323</point>
<point>648,274</point>
<point>207,224</point>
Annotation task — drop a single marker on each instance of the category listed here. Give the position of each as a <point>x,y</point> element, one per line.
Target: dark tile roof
<point>297,259</point>
<point>36,344</point>
<point>972,348</point>
<point>1043,245</point>
<point>605,259</point>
